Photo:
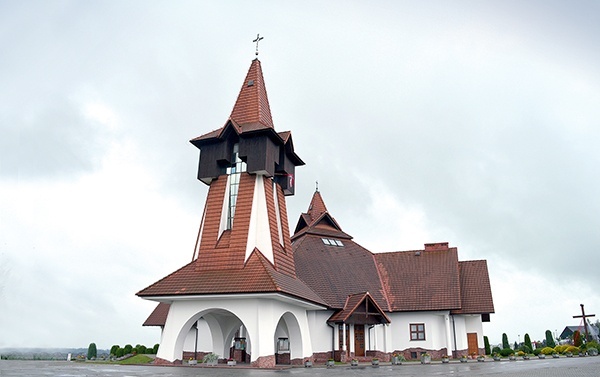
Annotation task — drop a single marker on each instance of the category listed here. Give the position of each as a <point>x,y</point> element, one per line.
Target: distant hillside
<point>44,353</point>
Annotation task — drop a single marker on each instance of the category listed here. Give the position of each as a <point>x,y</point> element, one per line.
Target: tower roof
<point>252,106</point>
<point>317,206</point>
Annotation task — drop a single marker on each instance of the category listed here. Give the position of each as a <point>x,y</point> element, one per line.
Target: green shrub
<point>527,342</point>
<point>572,349</point>
<point>506,352</point>
<point>549,339</point>
<point>496,349</point>
<point>547,350</point>
<point>128,349</point>
<point>113,349</point>
<point>536,351</point>
<point>525,349</point>
<point>590,344</point>
<point>120,352</point>
<point>561,348</point>
<point>505,341</point>
<point>155,349</point>
<point>92,351</point>
<point>486,343</point>
<point>141,350</point>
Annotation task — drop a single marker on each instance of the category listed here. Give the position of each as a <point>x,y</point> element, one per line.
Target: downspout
<point>196,342</point>
<point>369,335</point>
<point>454,335</point>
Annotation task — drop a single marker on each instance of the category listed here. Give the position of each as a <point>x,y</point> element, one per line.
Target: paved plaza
<point>576,366</point>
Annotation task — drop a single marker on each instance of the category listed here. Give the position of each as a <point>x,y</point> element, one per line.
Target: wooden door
<point>472,343</point>
<point>359,340</point>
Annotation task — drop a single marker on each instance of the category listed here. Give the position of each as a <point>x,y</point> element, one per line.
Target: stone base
<point>159,361</point>
<point>264,362</point>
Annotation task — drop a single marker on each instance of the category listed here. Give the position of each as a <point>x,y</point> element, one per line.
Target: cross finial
<point>317,186</point>
<point>258,39</point>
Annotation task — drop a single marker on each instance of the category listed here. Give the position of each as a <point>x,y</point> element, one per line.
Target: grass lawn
<point>137,359</point>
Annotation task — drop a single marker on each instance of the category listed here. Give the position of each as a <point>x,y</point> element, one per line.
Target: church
<point>257,294</point>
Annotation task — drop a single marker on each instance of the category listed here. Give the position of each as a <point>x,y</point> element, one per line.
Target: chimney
<point>436,246</point>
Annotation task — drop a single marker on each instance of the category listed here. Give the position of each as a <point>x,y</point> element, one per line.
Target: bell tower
<point>250,169</point>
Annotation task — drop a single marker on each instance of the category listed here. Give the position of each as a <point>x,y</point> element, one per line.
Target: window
<point>283,344</point>
<point>330,242</point>
<point>237,167</point>
<point>417,331</point>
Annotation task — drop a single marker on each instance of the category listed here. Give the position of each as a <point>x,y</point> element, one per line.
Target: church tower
<point>250,168</point>
<point>241,284</point>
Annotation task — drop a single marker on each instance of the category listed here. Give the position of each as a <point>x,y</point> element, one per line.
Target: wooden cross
<point>258,39</point>
<point>584,316</point>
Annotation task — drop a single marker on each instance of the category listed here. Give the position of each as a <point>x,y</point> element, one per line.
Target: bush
<point>92,351</point>
<point>525,349</point>
<point>128,349</point>
<point>528,342</point>
<point>572,349</point>
<point>155,349</point>
<point>496,349</point>
<point>537,351</point>
<point>141,350</point>
<point>486,343</point>
<point>561,348</point>
<point>505,341</point>
<point>591,344</point>
<point>120,352</point>
<point>506,352</point>
<point>549,339</point>
<point>113,350</point>
<point>547,350</point>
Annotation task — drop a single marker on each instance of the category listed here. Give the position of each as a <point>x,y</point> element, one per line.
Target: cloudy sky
<point>471,122</point>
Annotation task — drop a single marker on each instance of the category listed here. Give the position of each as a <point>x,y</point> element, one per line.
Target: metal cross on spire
<point>258,39</point>
<point>584,317</point>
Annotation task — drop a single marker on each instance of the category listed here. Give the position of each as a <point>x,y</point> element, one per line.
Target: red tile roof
<point>252,105</point>
<point>476,291</point>
<point>336,272</point>
<point>428,279</point>
<point>420,280</point>
<point>158,317</point>
<point>258,276</point>
<point>360,308</point>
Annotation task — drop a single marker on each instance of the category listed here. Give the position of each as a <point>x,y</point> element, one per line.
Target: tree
<point>577,338</point>
<point>528,342</point>
<point>113,349</point>
<point>155,349</point>
<point>92,351</point>
<point>505,341</point>
<point>486,343</point>
<point>550,339</point>
<point>128,349</point>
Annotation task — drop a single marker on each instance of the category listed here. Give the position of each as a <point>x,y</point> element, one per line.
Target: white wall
<point>320,332</point>
<point>399,331</point>
<point>204,338</point>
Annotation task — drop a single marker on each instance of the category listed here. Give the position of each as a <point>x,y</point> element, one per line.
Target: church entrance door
<point>472,343</point>
<point>359,340</point>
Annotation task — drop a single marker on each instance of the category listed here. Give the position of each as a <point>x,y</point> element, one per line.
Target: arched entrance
<point>217,331</point>
<point>288,340</point>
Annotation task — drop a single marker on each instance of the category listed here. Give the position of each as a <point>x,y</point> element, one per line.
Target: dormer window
<point>332,242</point>
<point>234,171</point>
